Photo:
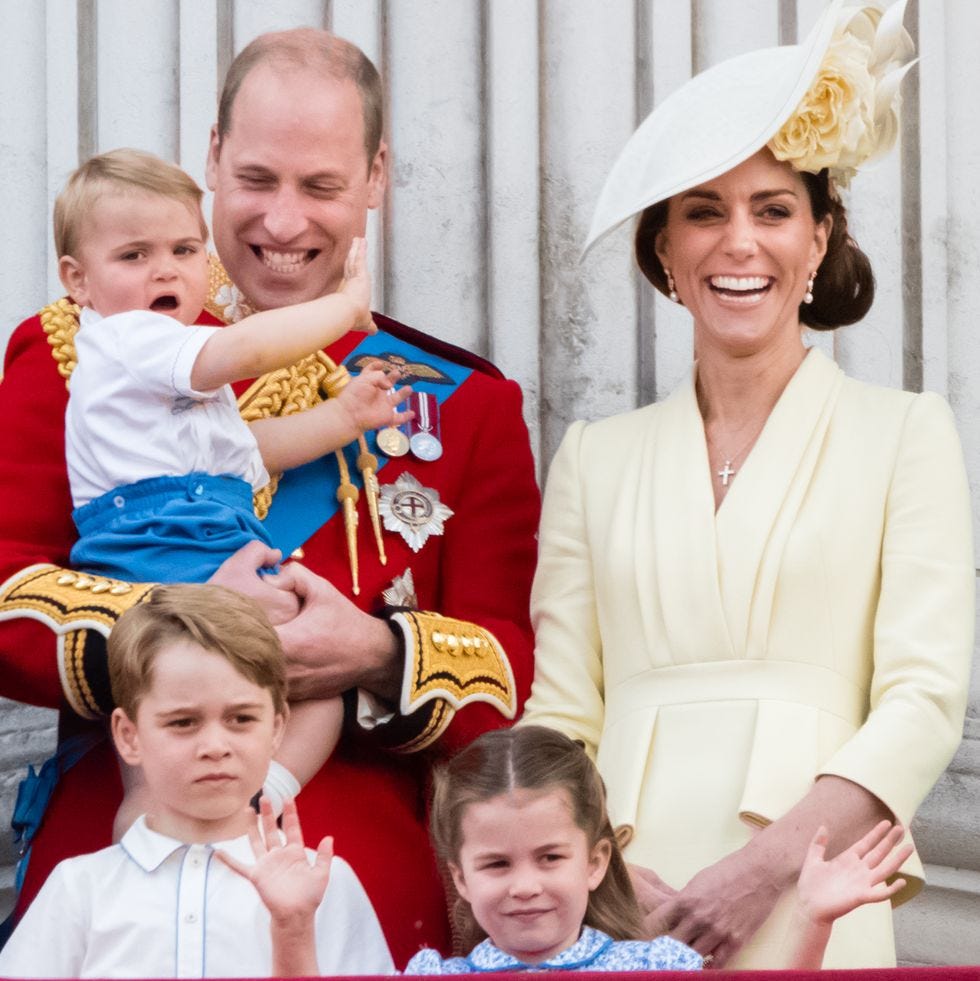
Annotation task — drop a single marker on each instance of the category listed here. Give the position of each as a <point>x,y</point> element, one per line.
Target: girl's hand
<point>357,286</point>
<point>287,884</point>
<point>371,401</point>
<point>828,890</point>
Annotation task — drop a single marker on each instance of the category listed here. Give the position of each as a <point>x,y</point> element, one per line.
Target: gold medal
<point>392,441</point>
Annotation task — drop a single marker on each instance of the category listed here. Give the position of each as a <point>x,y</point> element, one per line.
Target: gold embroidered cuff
<point>451,662</point>
<point>81,609</point>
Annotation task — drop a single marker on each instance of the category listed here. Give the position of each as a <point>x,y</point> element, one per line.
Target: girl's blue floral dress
<point>593,951</point>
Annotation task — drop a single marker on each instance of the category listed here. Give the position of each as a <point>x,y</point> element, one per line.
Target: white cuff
<point>372,711</point>
<point>280,785</point>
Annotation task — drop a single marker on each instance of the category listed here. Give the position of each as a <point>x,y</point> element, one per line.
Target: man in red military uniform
<point>443,523</point>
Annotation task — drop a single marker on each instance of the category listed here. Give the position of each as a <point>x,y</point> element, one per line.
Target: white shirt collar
<point>150,849</point>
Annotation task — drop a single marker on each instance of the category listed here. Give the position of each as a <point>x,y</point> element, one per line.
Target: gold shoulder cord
<point>288,390</point>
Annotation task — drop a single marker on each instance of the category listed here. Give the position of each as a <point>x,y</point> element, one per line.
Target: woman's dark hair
<point>537,759</point>
<point>845,285</point>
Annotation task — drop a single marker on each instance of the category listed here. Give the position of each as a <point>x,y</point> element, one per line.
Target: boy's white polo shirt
<point>153,907</point>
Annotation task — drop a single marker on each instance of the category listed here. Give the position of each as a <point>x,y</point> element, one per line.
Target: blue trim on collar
<point>586,950</point>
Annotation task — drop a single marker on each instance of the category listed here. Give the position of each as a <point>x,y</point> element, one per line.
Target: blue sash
<point>307,496</point>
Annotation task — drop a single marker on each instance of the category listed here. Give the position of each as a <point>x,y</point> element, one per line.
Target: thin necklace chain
<point>727,471</point>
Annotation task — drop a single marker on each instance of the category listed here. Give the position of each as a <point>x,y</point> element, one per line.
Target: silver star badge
<point>412,510</point>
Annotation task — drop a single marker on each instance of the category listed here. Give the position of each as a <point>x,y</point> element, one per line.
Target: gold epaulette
<point>450,662</point>
<point>81,609</point>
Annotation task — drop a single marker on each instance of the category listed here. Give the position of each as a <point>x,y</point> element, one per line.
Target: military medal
<point>412,510</point>
<point>392,441</point>
<point>424,428</point>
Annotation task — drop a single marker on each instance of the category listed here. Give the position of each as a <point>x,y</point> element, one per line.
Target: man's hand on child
<point>371,400</point>
<point>289,886</point>
<point>242,573</point>
<point>357,285</point>
<point>858,875</point>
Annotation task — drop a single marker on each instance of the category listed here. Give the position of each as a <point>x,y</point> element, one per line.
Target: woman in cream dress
<point>754,600</point>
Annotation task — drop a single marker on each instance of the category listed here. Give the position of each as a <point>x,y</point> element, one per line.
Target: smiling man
<point>295,166</point>
<point>296,161</point>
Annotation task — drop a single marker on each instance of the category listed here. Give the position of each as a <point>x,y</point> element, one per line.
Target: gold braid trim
<point>453,661</point>
<point>442,715</point>
<point>71,656</point>
<point>281,393</point>
<point>81,609</point>
<point>60,323</point>
<point>66,597</point>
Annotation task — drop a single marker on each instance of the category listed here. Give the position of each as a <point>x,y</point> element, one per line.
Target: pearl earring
<point>808,295</point>
<point>671,291</point>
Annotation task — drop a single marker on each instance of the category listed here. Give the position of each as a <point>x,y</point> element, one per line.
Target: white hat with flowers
<point>831,101</point>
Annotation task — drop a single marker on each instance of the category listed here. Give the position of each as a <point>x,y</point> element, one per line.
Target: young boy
<point>162,467</point>
<point>198,678</point>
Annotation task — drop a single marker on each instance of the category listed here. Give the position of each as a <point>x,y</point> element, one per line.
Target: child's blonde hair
<point>540,759</point>
<point>120,171</point>
<point>219,620</point>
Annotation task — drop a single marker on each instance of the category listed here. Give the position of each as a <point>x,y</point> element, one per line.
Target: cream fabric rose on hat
<point>849,116</point>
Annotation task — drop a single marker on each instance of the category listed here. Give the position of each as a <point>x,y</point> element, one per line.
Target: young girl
<point>519,817</point>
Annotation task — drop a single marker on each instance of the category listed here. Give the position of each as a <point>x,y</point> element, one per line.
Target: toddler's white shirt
<point>132,413</point>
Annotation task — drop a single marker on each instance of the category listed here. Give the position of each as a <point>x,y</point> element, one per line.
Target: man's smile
<point>284,262</point>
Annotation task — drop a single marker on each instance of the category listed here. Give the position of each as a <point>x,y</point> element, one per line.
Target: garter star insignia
<point>412,510</point>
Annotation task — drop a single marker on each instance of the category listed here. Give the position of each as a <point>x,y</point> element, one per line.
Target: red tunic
<point>370,798</point>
